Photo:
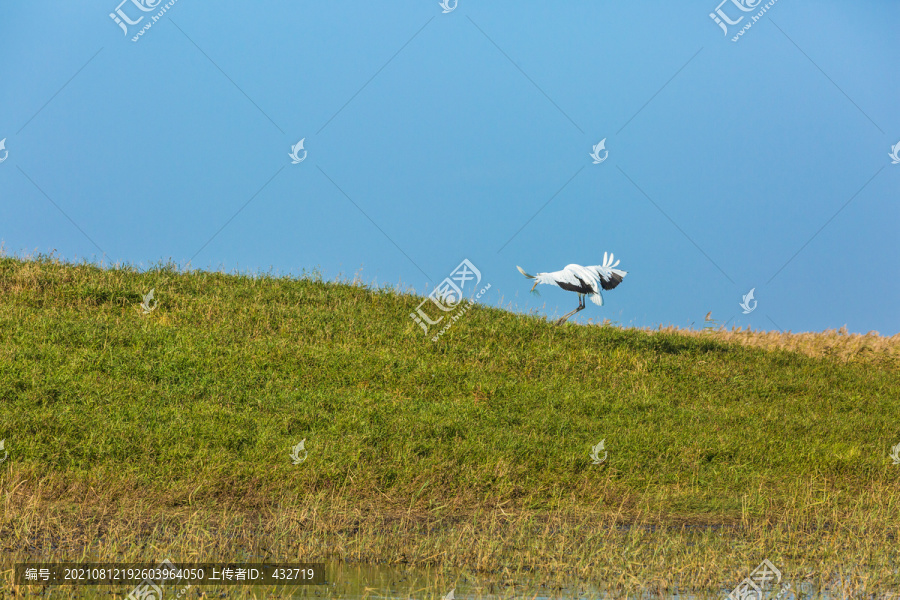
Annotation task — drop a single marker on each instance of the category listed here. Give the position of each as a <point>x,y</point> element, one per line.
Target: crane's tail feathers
<point>524,273</point>
<point>597,299</point>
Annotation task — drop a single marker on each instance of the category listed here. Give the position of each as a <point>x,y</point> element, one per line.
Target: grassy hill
<point>132,434</point>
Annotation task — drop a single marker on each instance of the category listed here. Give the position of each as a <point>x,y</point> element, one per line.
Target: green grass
<point>198,404</point>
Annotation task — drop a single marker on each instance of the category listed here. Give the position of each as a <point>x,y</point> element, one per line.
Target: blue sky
<point>434,137</point>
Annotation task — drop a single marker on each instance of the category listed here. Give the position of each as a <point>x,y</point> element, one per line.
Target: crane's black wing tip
<point>614,280</point>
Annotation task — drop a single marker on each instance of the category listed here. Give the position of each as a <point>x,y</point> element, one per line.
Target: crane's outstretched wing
<point>573,278</point>
<point>610,277</point>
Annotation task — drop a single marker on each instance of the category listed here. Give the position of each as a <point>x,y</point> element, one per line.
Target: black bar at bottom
<point>169,574</point>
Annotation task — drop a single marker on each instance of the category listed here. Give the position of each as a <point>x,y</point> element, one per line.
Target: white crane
<point>585,281</point>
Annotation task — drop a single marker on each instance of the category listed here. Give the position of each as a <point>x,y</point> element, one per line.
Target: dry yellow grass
<point>838,344</point>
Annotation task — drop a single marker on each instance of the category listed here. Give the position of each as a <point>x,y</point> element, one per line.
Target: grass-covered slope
<point>201,401</point>
<point>218,384</point>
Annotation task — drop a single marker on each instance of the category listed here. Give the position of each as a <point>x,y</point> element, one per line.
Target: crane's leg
<point>566,316</point>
